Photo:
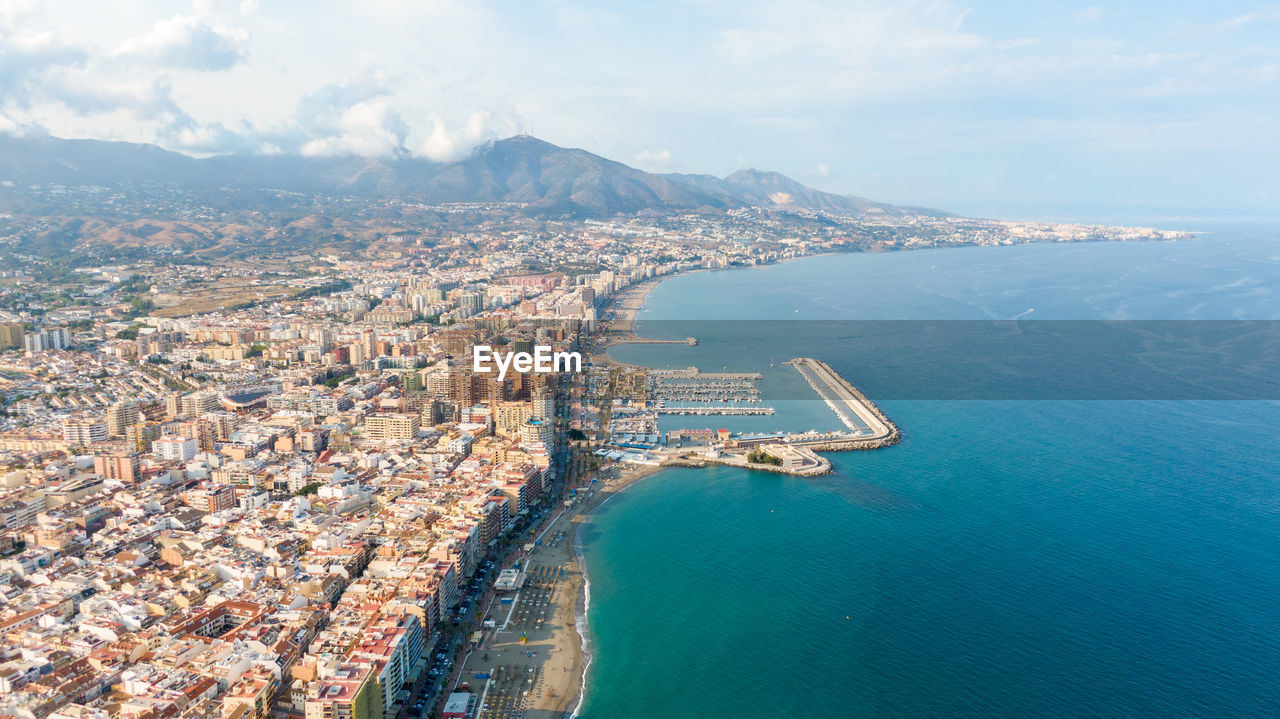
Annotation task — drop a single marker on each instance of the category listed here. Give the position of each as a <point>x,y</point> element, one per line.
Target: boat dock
<point>714,410</point>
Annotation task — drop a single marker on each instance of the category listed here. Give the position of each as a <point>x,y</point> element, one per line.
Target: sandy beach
<point>534,657</point>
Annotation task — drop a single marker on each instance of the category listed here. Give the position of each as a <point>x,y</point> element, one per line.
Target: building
<point>140,436</point>
<point>121,415</point>
<point>197,403</point>
<point>394,645</point>
<point>120,466</point>
<point>457,705</point>
<point>471,301</point>
<point>392,426</point>
<point>175,449</point>
<point>544,405</point>
<point>352,692</point>
<point>509,416</point>
<point>536,430</point>
<point>211,497</point>
<point>84,430</point>
<point>11,335</point>
<point>50,339</point>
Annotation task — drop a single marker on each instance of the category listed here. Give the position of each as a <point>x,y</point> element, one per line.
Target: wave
<point>580,615</point>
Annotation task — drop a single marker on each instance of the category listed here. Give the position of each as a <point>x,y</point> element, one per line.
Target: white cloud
<point>369,128</point>
<point>450,142</point>
<point>187,41</point>
<point>653,160</point>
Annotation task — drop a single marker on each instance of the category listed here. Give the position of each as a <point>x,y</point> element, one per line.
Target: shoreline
<point>544,633</point>
<point>582,603</point>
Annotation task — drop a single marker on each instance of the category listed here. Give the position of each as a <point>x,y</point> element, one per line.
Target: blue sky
<point>991,108</point>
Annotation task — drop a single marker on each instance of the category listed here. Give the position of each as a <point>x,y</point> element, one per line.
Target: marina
<point>713,410</point>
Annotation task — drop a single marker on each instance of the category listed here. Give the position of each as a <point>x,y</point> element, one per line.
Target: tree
<point>759,456</point>
<point>308,489</point>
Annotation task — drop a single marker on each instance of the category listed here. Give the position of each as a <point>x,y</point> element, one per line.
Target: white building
<point>175,449</point>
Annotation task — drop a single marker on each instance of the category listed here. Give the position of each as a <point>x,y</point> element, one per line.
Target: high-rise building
<point>173,405</point>
<point>351,693</point>
<point>175,449</point>
<point>121,415</point>
<point>84,430</point>
<point>536,430</point>
<point>197,403</point>
<point>119,465</point>
<point>50,339</point>
<point>544,404</point>
<point>508,416</point>
<point>140,436</point>
<point>10,335</point>
<point>472,301</point>
<point>200,430</point>
<point>392,426</point>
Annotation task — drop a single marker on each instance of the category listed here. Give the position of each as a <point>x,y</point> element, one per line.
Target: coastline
<point>544,635</point>
<point>582,602</point>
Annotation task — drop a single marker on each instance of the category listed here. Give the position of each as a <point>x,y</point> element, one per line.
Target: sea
<point>1057,556</point>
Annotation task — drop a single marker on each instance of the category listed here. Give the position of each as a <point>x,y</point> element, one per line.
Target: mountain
<point>547,178</point>
<point>766,189</point>
<point>552,178</point>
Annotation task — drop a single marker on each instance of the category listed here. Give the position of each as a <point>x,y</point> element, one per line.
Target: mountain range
<point>546,178</point>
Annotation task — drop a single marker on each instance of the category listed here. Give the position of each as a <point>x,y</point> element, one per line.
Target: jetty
<point>796,454</point>
<point>868,425</point>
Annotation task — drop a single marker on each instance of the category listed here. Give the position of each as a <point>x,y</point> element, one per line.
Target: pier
<point>867,427</point>
<point>857,412</point>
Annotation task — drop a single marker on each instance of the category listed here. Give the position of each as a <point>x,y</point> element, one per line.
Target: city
<point>279,487</point>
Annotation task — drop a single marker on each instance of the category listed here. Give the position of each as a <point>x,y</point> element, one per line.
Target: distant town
<point>250,470</point>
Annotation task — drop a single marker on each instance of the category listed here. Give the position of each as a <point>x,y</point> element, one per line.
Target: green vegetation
<point>309,489</point>
<point>140,305</point>
<point>759,456</point>
<point>327,288</point>
<point>336,380</point>
<point>577,434</point>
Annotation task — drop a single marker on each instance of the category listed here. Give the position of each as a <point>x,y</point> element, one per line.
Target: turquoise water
<point>1059,558</point>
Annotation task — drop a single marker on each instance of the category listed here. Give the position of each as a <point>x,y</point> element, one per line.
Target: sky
<point>995,108</point>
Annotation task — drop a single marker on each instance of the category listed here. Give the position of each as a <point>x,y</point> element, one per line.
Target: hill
<point>548,179</point>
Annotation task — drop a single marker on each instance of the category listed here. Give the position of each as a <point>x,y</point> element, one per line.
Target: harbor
<point>794,453</point>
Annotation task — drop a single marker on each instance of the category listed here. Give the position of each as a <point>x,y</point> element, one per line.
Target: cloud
<point>48,78</point>
<point>187,41</point>
<point>1256,17</point>
<point>369,128</point>
<point>448,142</point>
<point>655,160</point>
<point>824,170</point>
